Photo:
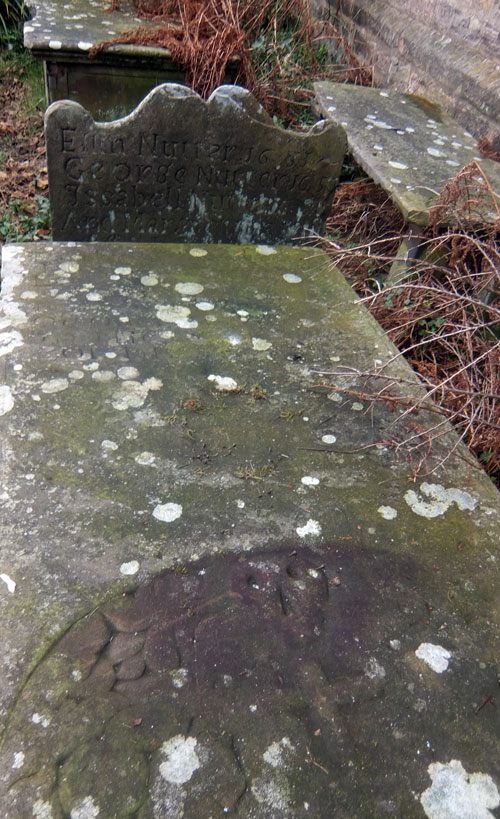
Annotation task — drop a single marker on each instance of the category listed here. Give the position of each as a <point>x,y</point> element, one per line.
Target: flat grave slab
<point>223,589</point>
<point>180,168</point>
<point>405,143</point>
<point>111,84</point>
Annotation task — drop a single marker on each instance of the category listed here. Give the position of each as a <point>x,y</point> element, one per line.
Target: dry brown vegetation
<point>445,315</point>
<point>277,44</point>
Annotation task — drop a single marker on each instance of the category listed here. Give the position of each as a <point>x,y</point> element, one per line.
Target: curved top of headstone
<point>179,168</point>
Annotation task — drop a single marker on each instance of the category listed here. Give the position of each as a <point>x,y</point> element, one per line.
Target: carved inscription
<point>221,176</point>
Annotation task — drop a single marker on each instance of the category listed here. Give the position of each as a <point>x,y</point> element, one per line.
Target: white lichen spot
<point>387,512</point>
<point>18,760</point>
<point>103,376</point>
<point>179,677</point>
<point>55,45</point>
<point>275,754</point>
<point>110,355</point>
<point>181,759</point>
<point>11,584</point>
<point>205,306</point>
<point>6,399</point>
<point>223,382</point>
<point>130,568</point>
<point>439,500</point>
<point>356,406</point>
<point>39,719</point>
<point>435,152</point>
<point>93,296</point>
<point>273,792</point>
<point>189,288</point>
<point>9,341</point>
<point>69,267</point>
<point>312,527</point>
<point>167,512</point>
<point>395,180</point>
<point>336,397</point>
<point>265,250</point>
<point>94,365</point>
<point>261,344</point>
<point>328,439</point>
<point>42,810</point>
<point>128,373</point>
<point>455,794</point>
<point>145,458</point>
<point>383,125</point>
<point>55,385</point>
<point>175,315</point>
<point>240,503</point>
<point>242,313</point>
<point>197,252</point>
<point>133,393</point>
<point>395,644</point>
<point>150,280</point>
<point>123,271</point>
<point>110,446</point>
<point>435,656</point>
<point>76,375</point>
<point>292,278</point>
<point>410,129</point>
<point>86,809</point>
<point>399,165</point>
<point>373,670</point>
<point>308,480</point>
<point>84,46</point>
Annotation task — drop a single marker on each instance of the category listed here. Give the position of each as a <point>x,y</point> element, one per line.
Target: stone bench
<point>406,144</point>
<point>219,590</point>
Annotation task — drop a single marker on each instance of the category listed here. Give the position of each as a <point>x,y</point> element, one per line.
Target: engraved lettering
<point>73,168</point>
<point>68,140</point>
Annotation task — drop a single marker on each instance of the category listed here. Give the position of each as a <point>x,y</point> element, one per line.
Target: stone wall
<point>447,51</point>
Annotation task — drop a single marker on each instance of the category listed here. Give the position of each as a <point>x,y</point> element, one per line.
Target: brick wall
<point>447,50</point>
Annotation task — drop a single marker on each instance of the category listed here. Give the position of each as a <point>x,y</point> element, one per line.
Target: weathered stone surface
<point>447,50</point>
<point>317,632</point>
<point>405,143</point>
<point>270,710</point>
<point>181,169</point>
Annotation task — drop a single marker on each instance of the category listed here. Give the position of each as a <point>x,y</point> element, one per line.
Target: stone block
<point>181,169</point>
<point>407,144</point>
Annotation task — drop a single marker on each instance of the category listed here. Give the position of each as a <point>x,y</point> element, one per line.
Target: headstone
<point>182,169</point>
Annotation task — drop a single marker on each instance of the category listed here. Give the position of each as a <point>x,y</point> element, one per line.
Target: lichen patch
<point>312,527</point>
<point>435,656</point>
<point>439,500</point>
<point>223,382</point>
<point>387,512</point>
<point>455,793</point>
<point>167,512</point>
<point>181,759</point>
<point>133,393</point>
<point>6,399</point>
<point>55,385</point>
<point>86,809</point>
<point>189,288</point>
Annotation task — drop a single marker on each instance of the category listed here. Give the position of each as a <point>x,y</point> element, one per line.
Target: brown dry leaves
<point>23,170</point>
